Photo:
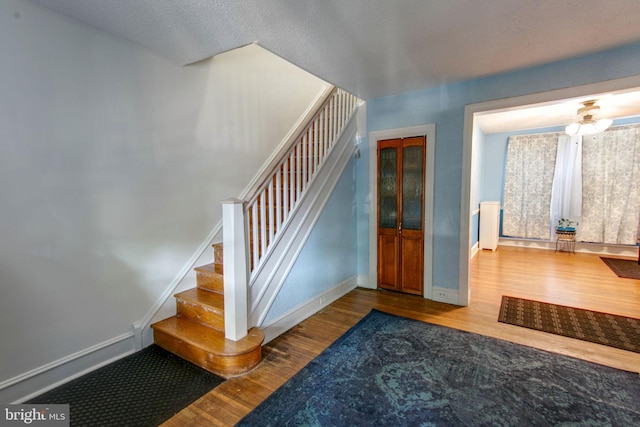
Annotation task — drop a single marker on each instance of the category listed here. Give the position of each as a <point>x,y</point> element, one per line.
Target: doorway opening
<point>475,112</point>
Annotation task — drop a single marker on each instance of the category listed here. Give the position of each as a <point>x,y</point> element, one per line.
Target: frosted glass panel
<point>388,188</point>
<point>412,188</point>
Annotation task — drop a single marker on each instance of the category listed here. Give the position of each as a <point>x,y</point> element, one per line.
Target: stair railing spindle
<point>254,235</point>
<point>270,213</point>
<point>299,172</point>
<point>340,110</point>
<point>286,180</point>
<point>263,231</point>
<point>291,179</point>
<point>316,143</point>
<point>279,198</point>
<point>325,128</point>
<point>305,161</point>
<point>269,210</point>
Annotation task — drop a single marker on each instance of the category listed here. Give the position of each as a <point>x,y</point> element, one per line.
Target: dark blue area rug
<point>392,371</point>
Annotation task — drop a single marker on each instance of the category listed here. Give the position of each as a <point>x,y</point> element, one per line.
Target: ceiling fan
<point>587,124</point>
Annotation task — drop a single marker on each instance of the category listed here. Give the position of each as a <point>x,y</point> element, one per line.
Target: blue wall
<point>444,106</point>
<point>475,228</point>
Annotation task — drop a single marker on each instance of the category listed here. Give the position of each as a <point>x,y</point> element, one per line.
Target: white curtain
<point>611,186</point>
<point>566,195</point>
<point>528,181</point>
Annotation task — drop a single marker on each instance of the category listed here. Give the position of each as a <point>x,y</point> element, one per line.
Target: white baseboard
<point>474,250</point>
<point>47,377</point>
<point>291,318</point>
<point>364,281</point>
<point>450,296</point>
<point>589,248</point>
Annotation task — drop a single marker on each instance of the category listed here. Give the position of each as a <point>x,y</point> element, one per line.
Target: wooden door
<point>401,214</point>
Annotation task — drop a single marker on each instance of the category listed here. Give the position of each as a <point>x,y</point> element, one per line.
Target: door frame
<point>471,110</point>
<point>429,131</point>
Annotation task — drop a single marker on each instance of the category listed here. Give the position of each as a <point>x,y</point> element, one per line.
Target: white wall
<point>477,163</point>
<point>113,163</point>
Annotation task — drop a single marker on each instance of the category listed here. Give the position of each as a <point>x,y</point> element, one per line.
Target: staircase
<point>270,220</point>
<point>196,332</point>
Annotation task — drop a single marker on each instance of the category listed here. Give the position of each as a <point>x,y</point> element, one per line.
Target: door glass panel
<point>388,187</point>
<point>412,188</point>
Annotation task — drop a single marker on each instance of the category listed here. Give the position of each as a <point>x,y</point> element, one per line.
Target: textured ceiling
<point>371,48</point>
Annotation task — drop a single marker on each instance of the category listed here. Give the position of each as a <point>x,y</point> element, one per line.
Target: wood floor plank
<point>578,280</point>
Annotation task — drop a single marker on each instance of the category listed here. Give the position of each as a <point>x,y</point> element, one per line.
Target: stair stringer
<point>267,280</point>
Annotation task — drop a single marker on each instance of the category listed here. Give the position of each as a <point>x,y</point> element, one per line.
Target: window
<point>611,186</point>
<point>593,180</point>
<point>528,182</point>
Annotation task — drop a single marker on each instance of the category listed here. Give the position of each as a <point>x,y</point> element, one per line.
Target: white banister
<point>290,178</point>
<point>235,270</point>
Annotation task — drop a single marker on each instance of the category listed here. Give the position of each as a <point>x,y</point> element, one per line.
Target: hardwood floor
<point>579,280</point>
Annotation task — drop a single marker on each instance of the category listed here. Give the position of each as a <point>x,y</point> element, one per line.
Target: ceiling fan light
<point>572,129</point>
<point>587,125</point>
<point>603,124</point>
<point>587,129</point>
<point>579,129</point>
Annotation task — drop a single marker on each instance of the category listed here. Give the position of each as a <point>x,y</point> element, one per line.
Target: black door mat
<point>143,389</point>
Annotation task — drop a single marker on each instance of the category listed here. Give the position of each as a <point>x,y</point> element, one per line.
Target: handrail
<point>269,208</point>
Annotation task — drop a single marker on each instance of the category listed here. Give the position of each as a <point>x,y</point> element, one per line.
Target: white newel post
<point>235,270</point>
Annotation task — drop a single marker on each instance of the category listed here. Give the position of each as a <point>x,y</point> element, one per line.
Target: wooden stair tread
<point>203,297</point>
<point>210,277</point>
<point>209,339</point>
<point>210,268</point>
<point>196,332</point>
<point>217,252</point>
